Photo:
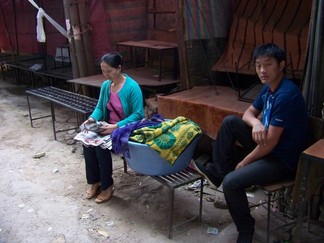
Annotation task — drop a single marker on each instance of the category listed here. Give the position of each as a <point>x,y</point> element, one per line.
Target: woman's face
<point>110,72</point>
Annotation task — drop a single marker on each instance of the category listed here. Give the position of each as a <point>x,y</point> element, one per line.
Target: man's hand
<point>240,165</point>
<point>259,134</point>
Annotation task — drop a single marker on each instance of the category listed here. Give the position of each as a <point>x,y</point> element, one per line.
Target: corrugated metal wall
<point>126,20</point>
<point>130,20</point>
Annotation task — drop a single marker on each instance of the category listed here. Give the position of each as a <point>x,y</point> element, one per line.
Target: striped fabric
<point>206,19</point>
<point>255,22</point>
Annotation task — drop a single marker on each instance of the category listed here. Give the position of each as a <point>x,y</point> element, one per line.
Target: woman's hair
<point>113,59</point>
<point>269,50</point>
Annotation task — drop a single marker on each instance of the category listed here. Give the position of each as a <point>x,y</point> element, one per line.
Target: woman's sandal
<point>101,199</point>
<point>91,193</point>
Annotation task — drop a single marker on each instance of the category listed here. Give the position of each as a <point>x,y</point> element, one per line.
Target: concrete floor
<point>227,233</point>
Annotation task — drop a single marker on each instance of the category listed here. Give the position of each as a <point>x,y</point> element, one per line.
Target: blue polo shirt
<point>285,107</point>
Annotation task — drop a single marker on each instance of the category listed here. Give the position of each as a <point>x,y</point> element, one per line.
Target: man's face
<point>269,70</point>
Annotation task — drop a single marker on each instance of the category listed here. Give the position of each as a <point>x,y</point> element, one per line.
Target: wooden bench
<point>79,103</point>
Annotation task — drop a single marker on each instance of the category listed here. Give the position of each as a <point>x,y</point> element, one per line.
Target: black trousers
<point>265,170</point>
<point>98,165</point>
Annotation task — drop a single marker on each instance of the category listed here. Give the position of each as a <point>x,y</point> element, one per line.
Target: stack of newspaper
<point>90,135</point>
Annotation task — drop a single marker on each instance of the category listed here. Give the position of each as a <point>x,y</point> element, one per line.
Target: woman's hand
<point>85,123</point>
<point>89,120</point>
<point>108,129</point>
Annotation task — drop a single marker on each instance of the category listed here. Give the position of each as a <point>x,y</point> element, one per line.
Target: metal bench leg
<point>172,182</point>
<point>171,212</point>
<point>53,119</point>
<point>125,165</point>
<point>16,74</point>
<point>2,71</point>
<point>29,111</point>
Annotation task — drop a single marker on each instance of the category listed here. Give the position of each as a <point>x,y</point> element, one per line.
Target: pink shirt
<point>117,113</point>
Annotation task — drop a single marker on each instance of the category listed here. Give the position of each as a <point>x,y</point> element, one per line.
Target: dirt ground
<point>43,200</point>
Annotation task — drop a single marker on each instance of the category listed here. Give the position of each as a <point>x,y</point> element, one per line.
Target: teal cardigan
<point>131,99</point>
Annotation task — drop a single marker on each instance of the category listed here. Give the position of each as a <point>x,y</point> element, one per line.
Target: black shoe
<point>245,238</point>
<point>220,203</point>
<point>212,180</point>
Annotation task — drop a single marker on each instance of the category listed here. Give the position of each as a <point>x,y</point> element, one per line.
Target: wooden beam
<point>181,47</point>
<point>86,36</point>
<point>77,37</point>
<point>74,60</point>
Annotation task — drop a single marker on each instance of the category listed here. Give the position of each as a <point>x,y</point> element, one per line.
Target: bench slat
<point>74,101</point>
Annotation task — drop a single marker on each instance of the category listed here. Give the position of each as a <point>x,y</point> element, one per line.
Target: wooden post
<point>74,60</point>
<point>7,32</point>
<point>43,45</point>
<point>81,39</point>
<point>181,47</point>
<point>77,37</point>
<point>86,36</point>
<point>16,33</point>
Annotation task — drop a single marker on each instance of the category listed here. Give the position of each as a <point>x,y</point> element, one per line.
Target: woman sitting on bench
<point>120,102</point>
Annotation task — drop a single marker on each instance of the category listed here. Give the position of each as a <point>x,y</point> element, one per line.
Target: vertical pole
<point>181,47</point>
<point>8,34</point>
<point>16,32</point>
<point>43,45</point>
<point>79,22</point>
<point>154,14</point>
<point>73,56</point>
<point>86,36</point>
<point>77,37</point>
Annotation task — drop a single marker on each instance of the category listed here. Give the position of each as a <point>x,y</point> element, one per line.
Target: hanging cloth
<point>41,37</point>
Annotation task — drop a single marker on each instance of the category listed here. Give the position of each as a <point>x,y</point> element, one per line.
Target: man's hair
<point>269,50</point>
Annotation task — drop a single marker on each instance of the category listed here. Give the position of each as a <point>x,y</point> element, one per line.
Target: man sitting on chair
<point>273,141</point>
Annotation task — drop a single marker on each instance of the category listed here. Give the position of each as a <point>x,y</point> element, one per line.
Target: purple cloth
<point>121,135</point>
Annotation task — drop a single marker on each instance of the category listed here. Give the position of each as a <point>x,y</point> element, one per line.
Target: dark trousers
<point>265,170</point>
<point>98,165</point>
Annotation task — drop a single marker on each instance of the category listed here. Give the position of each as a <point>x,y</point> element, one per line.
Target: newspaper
<point>90,136</point>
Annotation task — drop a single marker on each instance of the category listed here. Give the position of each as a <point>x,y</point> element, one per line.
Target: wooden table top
<point>142,77</point>
<point>151,44</point>
<point>94,80</point>
<point>316,150</point>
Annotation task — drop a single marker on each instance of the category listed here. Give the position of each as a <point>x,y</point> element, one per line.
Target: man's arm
<point>272,139</point>
<point>259,132</point>
<point>250,116</point>
<point>266,139</point>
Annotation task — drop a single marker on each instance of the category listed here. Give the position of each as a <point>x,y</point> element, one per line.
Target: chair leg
<point>308,215</point>
<point>268,217</point>
<point>125,165</point>
<point>171,212</point>
<point>201,198</point>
